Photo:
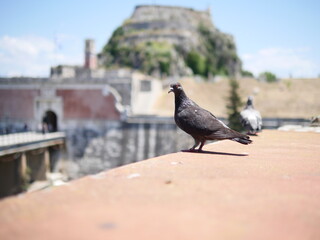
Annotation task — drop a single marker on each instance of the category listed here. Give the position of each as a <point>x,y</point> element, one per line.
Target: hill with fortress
<point>169,41</point>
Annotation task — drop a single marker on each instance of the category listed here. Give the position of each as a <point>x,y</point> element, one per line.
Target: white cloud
<point>33,55</point>
<point>284,62</point>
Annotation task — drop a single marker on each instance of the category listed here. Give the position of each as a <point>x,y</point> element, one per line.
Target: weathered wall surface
<point>190,16</point>
<point>88,104</point>
<point>17,103</point>
<point>108,146</point>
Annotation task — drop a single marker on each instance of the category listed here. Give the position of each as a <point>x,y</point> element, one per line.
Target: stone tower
<point>90,60</point>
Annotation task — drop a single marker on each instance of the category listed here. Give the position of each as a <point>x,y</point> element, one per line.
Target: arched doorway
<point>50,122</point>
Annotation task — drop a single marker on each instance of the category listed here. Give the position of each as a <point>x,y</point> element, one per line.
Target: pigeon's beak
<point>171,90</point>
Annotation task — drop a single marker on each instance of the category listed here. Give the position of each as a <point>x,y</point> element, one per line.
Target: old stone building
<point>73,94</point>
<point>86,102</point>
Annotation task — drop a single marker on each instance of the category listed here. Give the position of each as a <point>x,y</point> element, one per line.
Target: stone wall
<point>188,17</point>
<point>176,25</point>
<point>115,144</point>
<point>88,104</point>
<point>17,103</point>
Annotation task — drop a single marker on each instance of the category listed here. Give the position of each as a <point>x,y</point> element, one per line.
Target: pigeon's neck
<point>180,99</point>
<point>249,106</point>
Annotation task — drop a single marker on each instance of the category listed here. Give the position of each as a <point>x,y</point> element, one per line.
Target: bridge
<point>28,157</point>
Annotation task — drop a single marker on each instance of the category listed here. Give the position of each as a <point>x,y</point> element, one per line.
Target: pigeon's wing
<point>251,119</point>
<point>259,120</point>
<point>195,120</point>
<point>199,122</point>
<point>245,118</point>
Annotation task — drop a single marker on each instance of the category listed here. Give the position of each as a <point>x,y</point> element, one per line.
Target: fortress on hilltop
<point>166,41</point>
<point>176,25</point>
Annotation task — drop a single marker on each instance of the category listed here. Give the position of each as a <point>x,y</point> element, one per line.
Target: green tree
<point>220,52</point>
<point>234,105</point>
<point>197,63</point>
<point>112,46</point>
<point>164,67</point>
<point>246,73</point>
<point>268,77</point>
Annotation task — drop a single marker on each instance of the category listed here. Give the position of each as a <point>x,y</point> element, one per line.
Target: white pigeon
<point>250,118</point>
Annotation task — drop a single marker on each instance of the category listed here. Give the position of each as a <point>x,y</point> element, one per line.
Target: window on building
<point>145,86</point>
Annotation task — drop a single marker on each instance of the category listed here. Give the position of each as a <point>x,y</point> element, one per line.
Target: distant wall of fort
<point>175,25</point>
<point>188,17</point>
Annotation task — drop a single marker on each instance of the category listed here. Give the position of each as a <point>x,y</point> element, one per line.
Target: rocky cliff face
<point>163,40</point>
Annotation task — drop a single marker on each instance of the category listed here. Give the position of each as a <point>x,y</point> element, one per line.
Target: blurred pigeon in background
<point>315,121</point>
<point>200,123</point>
<point>250,118</point>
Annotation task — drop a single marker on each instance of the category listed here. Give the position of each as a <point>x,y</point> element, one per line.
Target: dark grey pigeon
<point>250,118</point>
<point>200,123</point>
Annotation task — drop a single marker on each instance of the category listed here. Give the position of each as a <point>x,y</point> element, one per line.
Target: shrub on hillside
<point>197,63</point>
<point>268,77</point>
<point>246,73</point>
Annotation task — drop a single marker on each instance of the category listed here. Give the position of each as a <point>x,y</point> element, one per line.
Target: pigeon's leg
<point>196,143</point>
<point>200,148</point>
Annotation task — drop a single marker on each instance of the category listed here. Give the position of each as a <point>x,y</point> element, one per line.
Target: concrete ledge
<point>267,190</point>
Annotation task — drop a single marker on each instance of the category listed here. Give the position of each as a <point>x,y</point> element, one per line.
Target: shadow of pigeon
<point>217,153</point>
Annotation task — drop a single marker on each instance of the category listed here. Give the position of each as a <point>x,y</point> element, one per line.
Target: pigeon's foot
<point>252,133</point>
<point>192,150</point>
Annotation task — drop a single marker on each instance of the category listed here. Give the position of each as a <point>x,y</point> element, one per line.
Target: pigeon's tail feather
<point>244,140</point>
<point>228,133</point>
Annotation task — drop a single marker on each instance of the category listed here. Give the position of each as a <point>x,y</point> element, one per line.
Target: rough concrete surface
<point>267,190</point>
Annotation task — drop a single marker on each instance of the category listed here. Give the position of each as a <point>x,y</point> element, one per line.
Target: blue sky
<point>278,36</point>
